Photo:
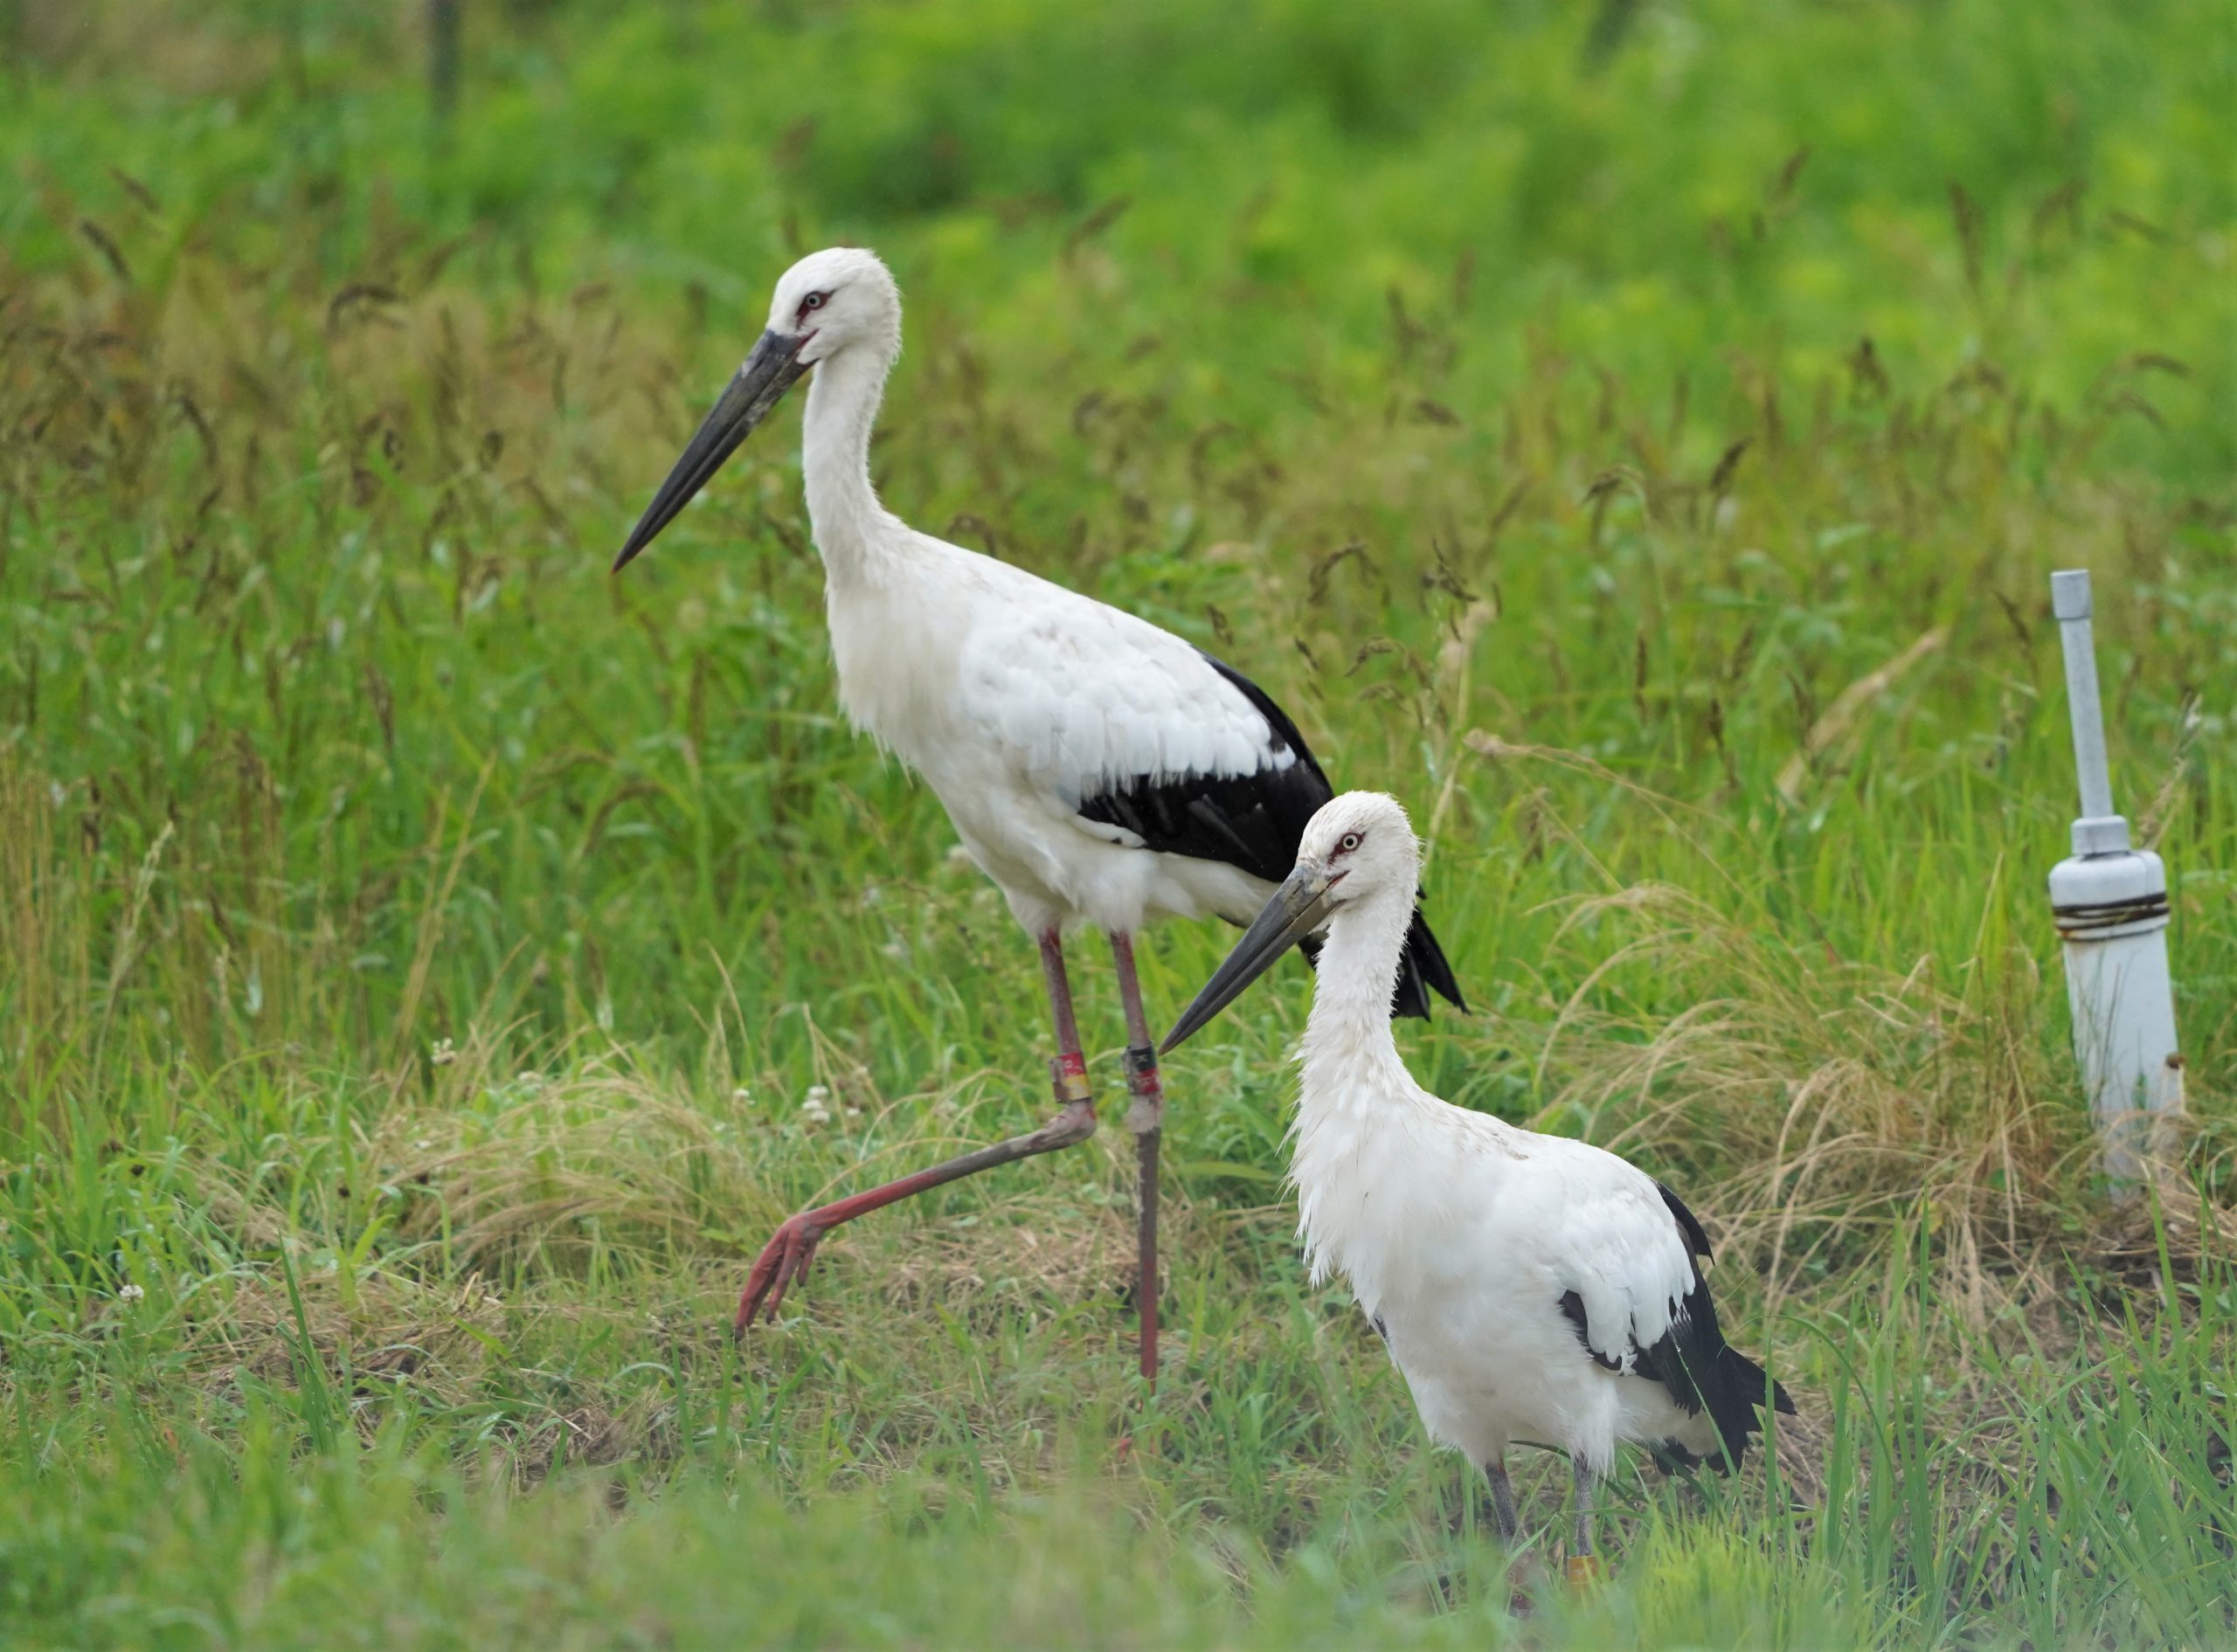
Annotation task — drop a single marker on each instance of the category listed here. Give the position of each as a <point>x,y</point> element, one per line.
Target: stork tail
<point>1421,968</point>
<point>1734,1392</point>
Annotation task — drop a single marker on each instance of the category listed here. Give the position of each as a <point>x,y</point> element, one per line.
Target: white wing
<point>1081,696</point>
<point>1621,1249</point>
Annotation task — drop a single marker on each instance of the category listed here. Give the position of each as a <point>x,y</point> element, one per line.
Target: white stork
<point>1102,771</point>
<point>1532,1289</point>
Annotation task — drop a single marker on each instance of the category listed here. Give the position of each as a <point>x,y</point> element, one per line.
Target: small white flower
<point>854,1112</point>
<point>743,1097</point>
<point>130,1293</point>
<point>443,1054</point>
<point>422,1144</point>
<point>818,1096</point>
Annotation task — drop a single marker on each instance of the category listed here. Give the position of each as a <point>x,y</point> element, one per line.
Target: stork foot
<point>784,1259</point>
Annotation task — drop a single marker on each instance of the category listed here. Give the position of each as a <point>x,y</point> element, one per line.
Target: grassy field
<point>1640,444</point>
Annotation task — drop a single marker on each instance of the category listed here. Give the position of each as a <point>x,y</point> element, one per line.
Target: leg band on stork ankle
<point>1142,1083</point>
<point>1069,1073</point>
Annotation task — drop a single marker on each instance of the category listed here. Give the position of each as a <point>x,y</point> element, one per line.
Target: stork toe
<point>784,1259</point>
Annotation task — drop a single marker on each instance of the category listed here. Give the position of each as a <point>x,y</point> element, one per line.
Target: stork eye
<point>814,301</point>
<point>1346,844</point>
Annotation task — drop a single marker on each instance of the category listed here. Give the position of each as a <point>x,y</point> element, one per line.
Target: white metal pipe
<point>2110,904</point>
<point>2072,606</point>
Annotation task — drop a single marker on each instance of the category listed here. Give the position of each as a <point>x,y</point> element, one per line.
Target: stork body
<point>1532,1289</point>
<point>1019,702</point>
<point>1100,771</point>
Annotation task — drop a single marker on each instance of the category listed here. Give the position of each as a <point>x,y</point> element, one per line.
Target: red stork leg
<point>1147,1119</point>
<point>786,1257</point>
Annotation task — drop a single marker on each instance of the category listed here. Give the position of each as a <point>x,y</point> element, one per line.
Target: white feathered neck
<point>857,537</point>
<point>1360,1116</point>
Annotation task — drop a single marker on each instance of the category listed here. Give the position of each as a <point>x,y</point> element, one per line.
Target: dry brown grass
<point>1853,1098</point>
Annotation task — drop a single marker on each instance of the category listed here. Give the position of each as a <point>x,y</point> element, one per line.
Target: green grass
<point>415,946</point>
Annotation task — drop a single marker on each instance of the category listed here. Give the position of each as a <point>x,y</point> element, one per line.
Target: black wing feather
<point>1697,1243</point>
<point>1693,1361</point>
<point>1254,822</point>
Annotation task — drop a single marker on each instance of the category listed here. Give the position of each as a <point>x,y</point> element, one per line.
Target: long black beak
<point>1298,907</point>
<point>772,369</point>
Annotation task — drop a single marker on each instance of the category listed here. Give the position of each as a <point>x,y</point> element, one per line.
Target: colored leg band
<point>1069,1073</point>
<point>1142,1083</point>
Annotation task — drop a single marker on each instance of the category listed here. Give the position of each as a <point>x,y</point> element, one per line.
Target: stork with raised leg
<point>1532,1289</point>
<point>1101,771</point>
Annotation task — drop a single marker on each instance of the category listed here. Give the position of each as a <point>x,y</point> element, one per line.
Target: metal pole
<point>2111,905</point>
<point>2070,603</point>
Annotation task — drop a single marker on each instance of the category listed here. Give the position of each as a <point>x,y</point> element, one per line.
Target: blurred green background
<point>1638,435</point>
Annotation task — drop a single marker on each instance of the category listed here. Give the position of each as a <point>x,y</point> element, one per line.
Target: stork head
<point>1358,850</point>
<point>1360,843</point>
<point>842,300</point>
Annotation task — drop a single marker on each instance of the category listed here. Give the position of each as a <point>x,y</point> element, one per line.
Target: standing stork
<point>1531,1289</point>
<point>1102,771</point>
